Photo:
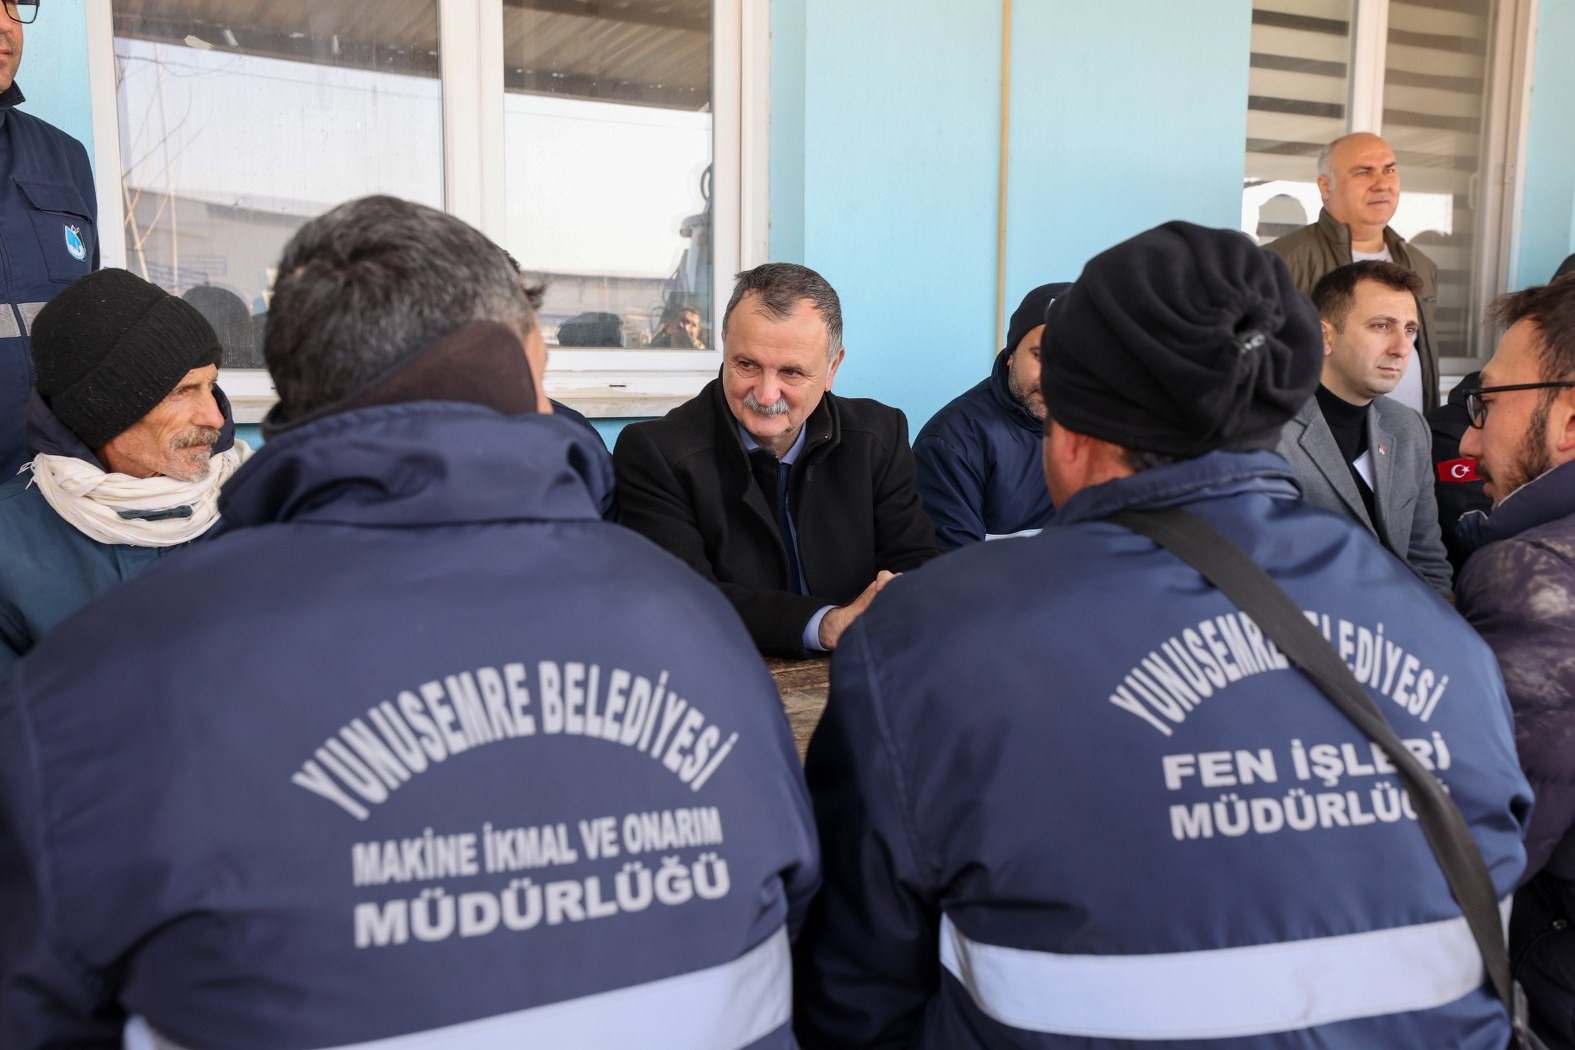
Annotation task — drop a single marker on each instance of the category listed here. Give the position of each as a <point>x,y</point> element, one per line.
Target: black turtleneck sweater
<point>1348,423</point>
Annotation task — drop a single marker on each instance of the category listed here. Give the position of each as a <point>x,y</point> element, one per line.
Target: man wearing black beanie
<point>978,457</point>
<point>1068,793</point>
<point>131,439</point>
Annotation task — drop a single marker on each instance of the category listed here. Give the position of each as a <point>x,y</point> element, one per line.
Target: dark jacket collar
<point>9,98</point>
<point>420,463</point>
<point>1207,477</point>
<point>1546,498</point>
<point>46,434</point>
<point>481,363</point>
<point>1001,394</point>
<point>1340,234</point>
<point>1334,229</point>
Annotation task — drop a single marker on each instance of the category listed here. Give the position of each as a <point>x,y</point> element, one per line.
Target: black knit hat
<point>1030,313</point>
<point>1180,341</point>
<point>110,347</point>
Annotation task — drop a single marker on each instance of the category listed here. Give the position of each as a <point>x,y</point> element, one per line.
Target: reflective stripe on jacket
<point>1069,796</point>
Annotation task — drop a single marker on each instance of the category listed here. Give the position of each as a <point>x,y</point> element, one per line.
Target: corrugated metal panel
<point>654,52</point>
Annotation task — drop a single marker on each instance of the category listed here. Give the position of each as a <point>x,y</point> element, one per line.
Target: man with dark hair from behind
<point>1518,590</point>
<point>1060,782</point>
<point>1357,451</point>
<point>417,750</point>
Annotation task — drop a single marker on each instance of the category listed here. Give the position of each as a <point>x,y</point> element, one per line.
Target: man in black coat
<point>798,504</point>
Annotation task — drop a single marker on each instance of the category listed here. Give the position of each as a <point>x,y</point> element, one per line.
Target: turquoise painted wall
<point>608,429</point>
<point>898,161</point>
<point>1547,230</point>
<point>785,172</point>
<point>1125,114</point>
<point>54,73</point>
<point>885,178</point>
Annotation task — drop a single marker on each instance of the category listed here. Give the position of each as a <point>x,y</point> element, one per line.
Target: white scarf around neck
<point>97,504</point>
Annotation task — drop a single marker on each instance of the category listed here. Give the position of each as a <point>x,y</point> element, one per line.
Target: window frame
<point>608,383</point>
<point>1500,186</point>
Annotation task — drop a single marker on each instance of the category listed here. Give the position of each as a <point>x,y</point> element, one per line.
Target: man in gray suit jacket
<point>1356,451</point>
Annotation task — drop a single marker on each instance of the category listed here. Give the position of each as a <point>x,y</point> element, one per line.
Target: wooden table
<point>803,685</point>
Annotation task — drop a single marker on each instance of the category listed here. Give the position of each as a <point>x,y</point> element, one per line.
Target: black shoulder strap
<point>1224,564</point>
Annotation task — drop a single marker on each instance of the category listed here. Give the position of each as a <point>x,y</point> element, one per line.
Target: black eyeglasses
<point>1477,408</point>
<point>23,11</point>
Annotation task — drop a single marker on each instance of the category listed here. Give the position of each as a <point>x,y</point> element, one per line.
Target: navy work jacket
<point>48,238</point>
<point>414,747</point>
<point>980,469</point>
<point>1069,796</point>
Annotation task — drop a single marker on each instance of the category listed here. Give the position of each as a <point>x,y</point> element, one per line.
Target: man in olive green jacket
<point>1360,184</point>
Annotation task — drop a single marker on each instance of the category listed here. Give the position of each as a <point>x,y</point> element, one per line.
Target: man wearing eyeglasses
<point>1357,450</point>
<point>48,228</point>
<point>1518,590</point>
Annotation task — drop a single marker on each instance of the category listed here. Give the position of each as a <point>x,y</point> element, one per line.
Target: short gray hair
<point>366,285</point>
<point>1326,155</point>
<point>779,288</point>
<point>1325,168</point>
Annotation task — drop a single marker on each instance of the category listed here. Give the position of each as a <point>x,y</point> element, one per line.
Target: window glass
<point>1296,103</point>
<point>608,139</point>
<point>1435,97</point>
<point>238,122</point>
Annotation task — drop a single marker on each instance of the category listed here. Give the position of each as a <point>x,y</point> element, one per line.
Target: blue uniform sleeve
<point>47,998</point>
<point>867,963</point>
<point>951,484</point>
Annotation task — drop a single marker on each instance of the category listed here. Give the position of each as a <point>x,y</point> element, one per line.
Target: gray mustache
<point>779,407</point>
<point>194,438</point>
